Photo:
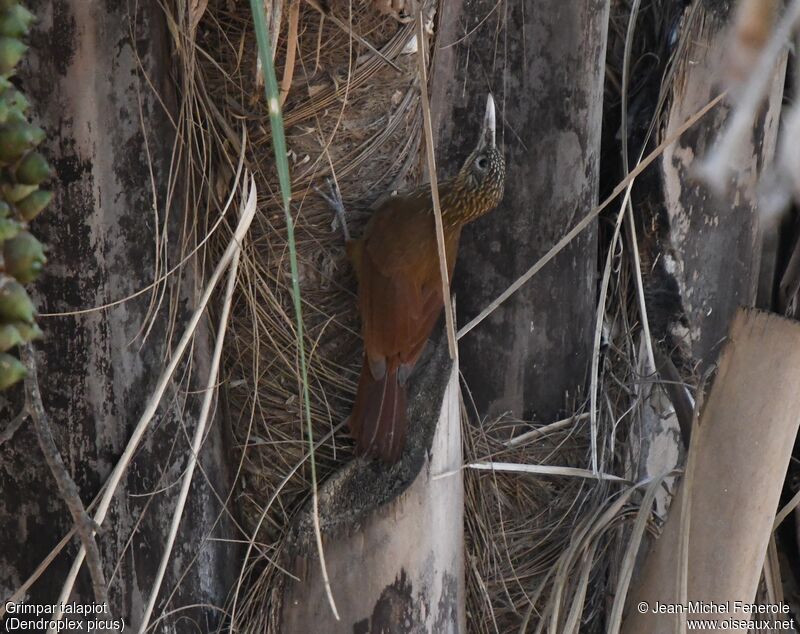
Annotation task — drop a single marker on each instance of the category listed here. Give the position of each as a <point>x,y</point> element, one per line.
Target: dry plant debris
<point>542,551</point>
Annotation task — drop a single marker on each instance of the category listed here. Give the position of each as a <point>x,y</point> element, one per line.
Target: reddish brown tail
<point>378,422</point>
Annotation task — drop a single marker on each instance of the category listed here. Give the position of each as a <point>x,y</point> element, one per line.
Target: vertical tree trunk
<point>713,244</point>
<point>717,240</point>
<point>543,61</point>
<point>395,559</point>
<point>97,369</point>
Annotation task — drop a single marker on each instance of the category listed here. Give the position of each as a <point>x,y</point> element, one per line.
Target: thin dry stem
<point>84,525</point>
<point>13,425</point>
<point>205,410</point>
<point>437,209</point>
<point>588,218</point>
<point>153,403</point>
<point>291,50</point>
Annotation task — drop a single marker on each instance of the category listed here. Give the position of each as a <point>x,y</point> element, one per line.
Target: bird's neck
<point>460,203</point>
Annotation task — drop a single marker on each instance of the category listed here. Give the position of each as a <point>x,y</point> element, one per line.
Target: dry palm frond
<point>541,549</point>
<point>350,114</point>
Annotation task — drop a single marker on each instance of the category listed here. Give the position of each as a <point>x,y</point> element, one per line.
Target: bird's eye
<point>482,163</point>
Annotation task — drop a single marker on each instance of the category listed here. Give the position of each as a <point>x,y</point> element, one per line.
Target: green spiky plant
<point>22,171</point>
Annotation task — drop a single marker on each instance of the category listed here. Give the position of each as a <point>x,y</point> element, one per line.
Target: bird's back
<point>399,276</point>
<point>400,286</point>
<point>400,299</point>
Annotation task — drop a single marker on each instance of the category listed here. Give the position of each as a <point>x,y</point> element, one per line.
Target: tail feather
<point>378,422</point>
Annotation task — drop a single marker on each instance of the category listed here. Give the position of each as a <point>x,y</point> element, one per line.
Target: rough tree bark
<point>717,240</point>
<point>96,370</point>
<point>394,537</point>
<point>711,250</point>
<point>543,61</point>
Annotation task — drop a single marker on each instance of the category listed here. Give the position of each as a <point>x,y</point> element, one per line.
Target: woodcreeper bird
<point>396,262</point>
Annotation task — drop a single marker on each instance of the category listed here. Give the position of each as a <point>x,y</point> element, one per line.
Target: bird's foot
<point>334,199</point>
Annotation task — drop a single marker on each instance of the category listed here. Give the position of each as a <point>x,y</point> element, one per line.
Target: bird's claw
<point>334,200</point>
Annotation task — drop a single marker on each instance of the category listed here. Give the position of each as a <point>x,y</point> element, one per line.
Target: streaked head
<point>483,173</point>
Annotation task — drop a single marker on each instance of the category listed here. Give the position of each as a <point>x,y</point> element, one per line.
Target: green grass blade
<point>279,144</point>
